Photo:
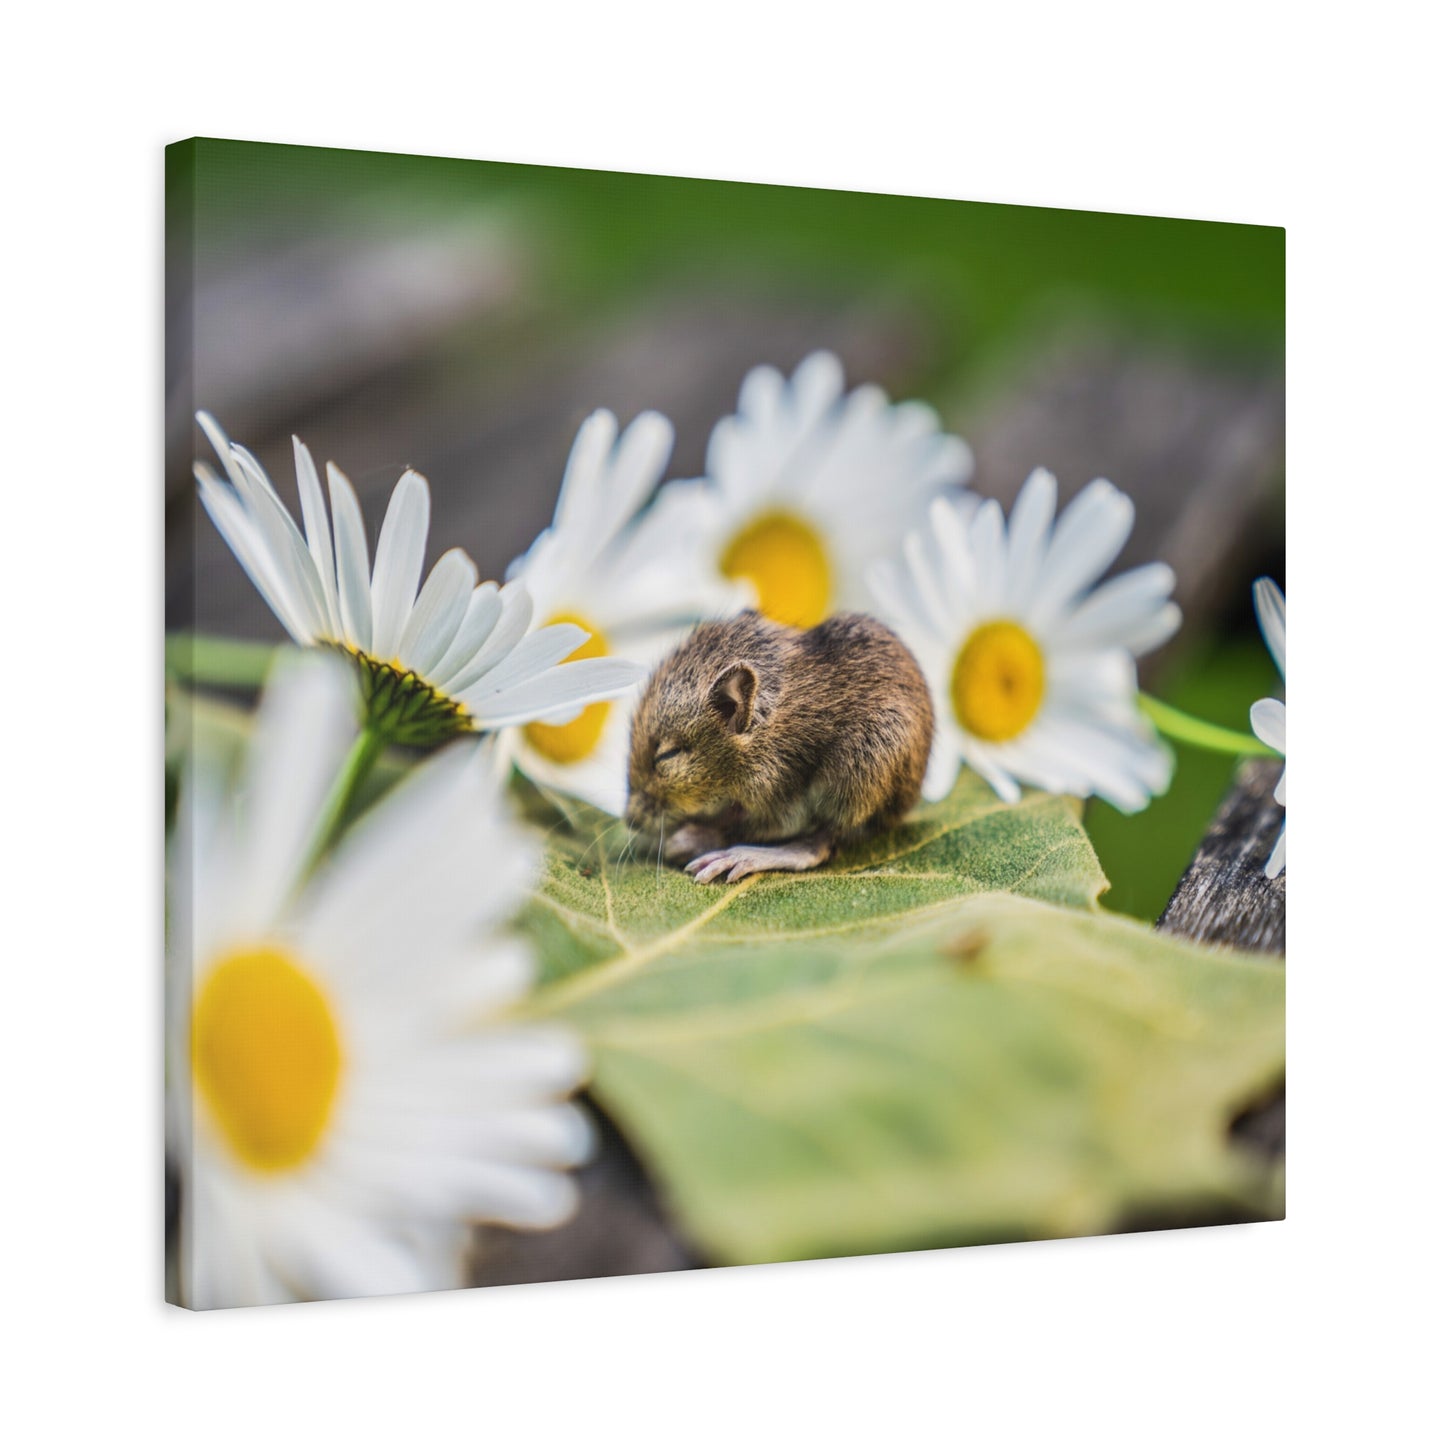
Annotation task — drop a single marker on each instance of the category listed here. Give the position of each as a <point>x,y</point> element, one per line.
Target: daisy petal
<point>483,609</point>
<point>399,554</point>
<point>352,565</point>
<point>1131,610</point>
<point>318,533</point>
<point>514,616</point>
<point>1266,717</point>
<point>1028,534</point>
<point>438,612</point>
<point>1275,866</point>
<point>1090,534</point>
<point>1269,604</point>
<point>571,685</point>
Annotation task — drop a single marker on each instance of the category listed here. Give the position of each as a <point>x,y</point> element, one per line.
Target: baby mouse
<point>756,746</point>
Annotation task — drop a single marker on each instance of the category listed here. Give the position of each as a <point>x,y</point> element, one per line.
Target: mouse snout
<point>641,810</point>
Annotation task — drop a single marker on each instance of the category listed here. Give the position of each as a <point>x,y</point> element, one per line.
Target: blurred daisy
<point>1031,665</point>
<point>343,1095</point>
<point>806,485</point>
<point>455,658</point>
<point>625,578</point>
<point>1266,717</point>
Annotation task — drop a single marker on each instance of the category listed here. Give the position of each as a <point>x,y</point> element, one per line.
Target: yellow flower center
<point>783,557</point>
<point>266,1056</point>
<point>998,681</point>
<point>572,742</point>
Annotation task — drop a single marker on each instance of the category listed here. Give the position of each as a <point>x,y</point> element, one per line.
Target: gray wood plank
<point>1224,897</point>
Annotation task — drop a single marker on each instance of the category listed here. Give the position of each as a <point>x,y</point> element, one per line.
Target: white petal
<point>1275,866</point>
<point>438,612</point>
<point>950,519</point>
<point>1130,611</point>
<point>306,720</point>
<point>283,537</point>
<point>535,653</point>
<point>572,684</point>
<point>484,607</point>
<point>1269,604</point>
<point>332,1253</point>
<point>943,766</point>
<point>1090,534</point>
<point>986,546</point>
<point>352,567</point>
<point>577,499</point>
<point>1028,532</point>
<point>1266,717</point>
<point>514,617</point>
<point>400,552</point>
<point>251,551</point>
<point>318,533</point>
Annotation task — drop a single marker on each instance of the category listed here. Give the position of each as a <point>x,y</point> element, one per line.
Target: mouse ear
<point>732,697</point>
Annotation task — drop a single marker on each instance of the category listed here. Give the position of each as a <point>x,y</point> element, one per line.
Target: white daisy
<point>622,572</point>
<point>1030,664</point>
<point>806,485</point>
<point>1266,717</point>
<point>343,1095</point>
<point>454,658</point>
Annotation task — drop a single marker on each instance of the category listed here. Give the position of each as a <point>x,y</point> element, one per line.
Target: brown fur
<point>779,734</point>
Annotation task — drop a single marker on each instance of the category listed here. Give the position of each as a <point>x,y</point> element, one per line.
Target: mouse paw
<point>744,859</point>
<point>690,840</point>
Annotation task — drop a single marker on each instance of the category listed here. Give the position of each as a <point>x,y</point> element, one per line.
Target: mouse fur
<point>757,746</point>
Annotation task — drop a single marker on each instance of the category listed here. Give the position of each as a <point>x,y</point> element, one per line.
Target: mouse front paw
<point>744,859</point>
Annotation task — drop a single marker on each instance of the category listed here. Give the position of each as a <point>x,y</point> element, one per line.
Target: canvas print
<point>709,724</point>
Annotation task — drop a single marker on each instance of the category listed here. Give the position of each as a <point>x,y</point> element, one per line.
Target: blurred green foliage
<point>978,270</point>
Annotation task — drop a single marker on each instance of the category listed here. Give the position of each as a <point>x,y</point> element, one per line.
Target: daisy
<point>625,576</point>
<point>806,485</point>
<point>1266,717</point>
<point>454,658</point>
<point>1031,665</point>
<point>344,1095</point>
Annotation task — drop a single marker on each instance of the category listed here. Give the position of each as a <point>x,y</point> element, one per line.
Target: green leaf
<point>197,658</point>
<point>938,1039</point>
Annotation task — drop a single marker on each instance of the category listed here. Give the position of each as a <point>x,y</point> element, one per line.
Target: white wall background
<point>1248,112</point>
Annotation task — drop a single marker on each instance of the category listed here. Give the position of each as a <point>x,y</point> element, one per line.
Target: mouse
<point>758,747</point>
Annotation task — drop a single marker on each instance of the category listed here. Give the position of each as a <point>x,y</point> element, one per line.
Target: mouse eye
<point>667,753</point>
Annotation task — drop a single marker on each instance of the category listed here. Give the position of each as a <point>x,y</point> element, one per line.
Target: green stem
<point>367,748</point>
<point>194,657</point>
<point>1199,734</point>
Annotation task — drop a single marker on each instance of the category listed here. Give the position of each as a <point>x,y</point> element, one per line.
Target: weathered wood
<point>1224,896</point>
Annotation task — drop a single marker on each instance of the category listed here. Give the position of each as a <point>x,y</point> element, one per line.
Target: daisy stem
<point>368,747</point>
<point>1199,734</point>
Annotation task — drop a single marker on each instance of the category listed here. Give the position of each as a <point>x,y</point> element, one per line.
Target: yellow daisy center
<point>572,742</point>
<point>266,1055</point>
<point>784,558</point>
<point>998,681</point>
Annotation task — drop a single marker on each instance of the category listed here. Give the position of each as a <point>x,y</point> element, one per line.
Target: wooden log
<point>1224,896</point>
<point>1225,899</point>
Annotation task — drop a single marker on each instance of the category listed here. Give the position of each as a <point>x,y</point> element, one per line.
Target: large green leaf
<point>937,1039</point>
